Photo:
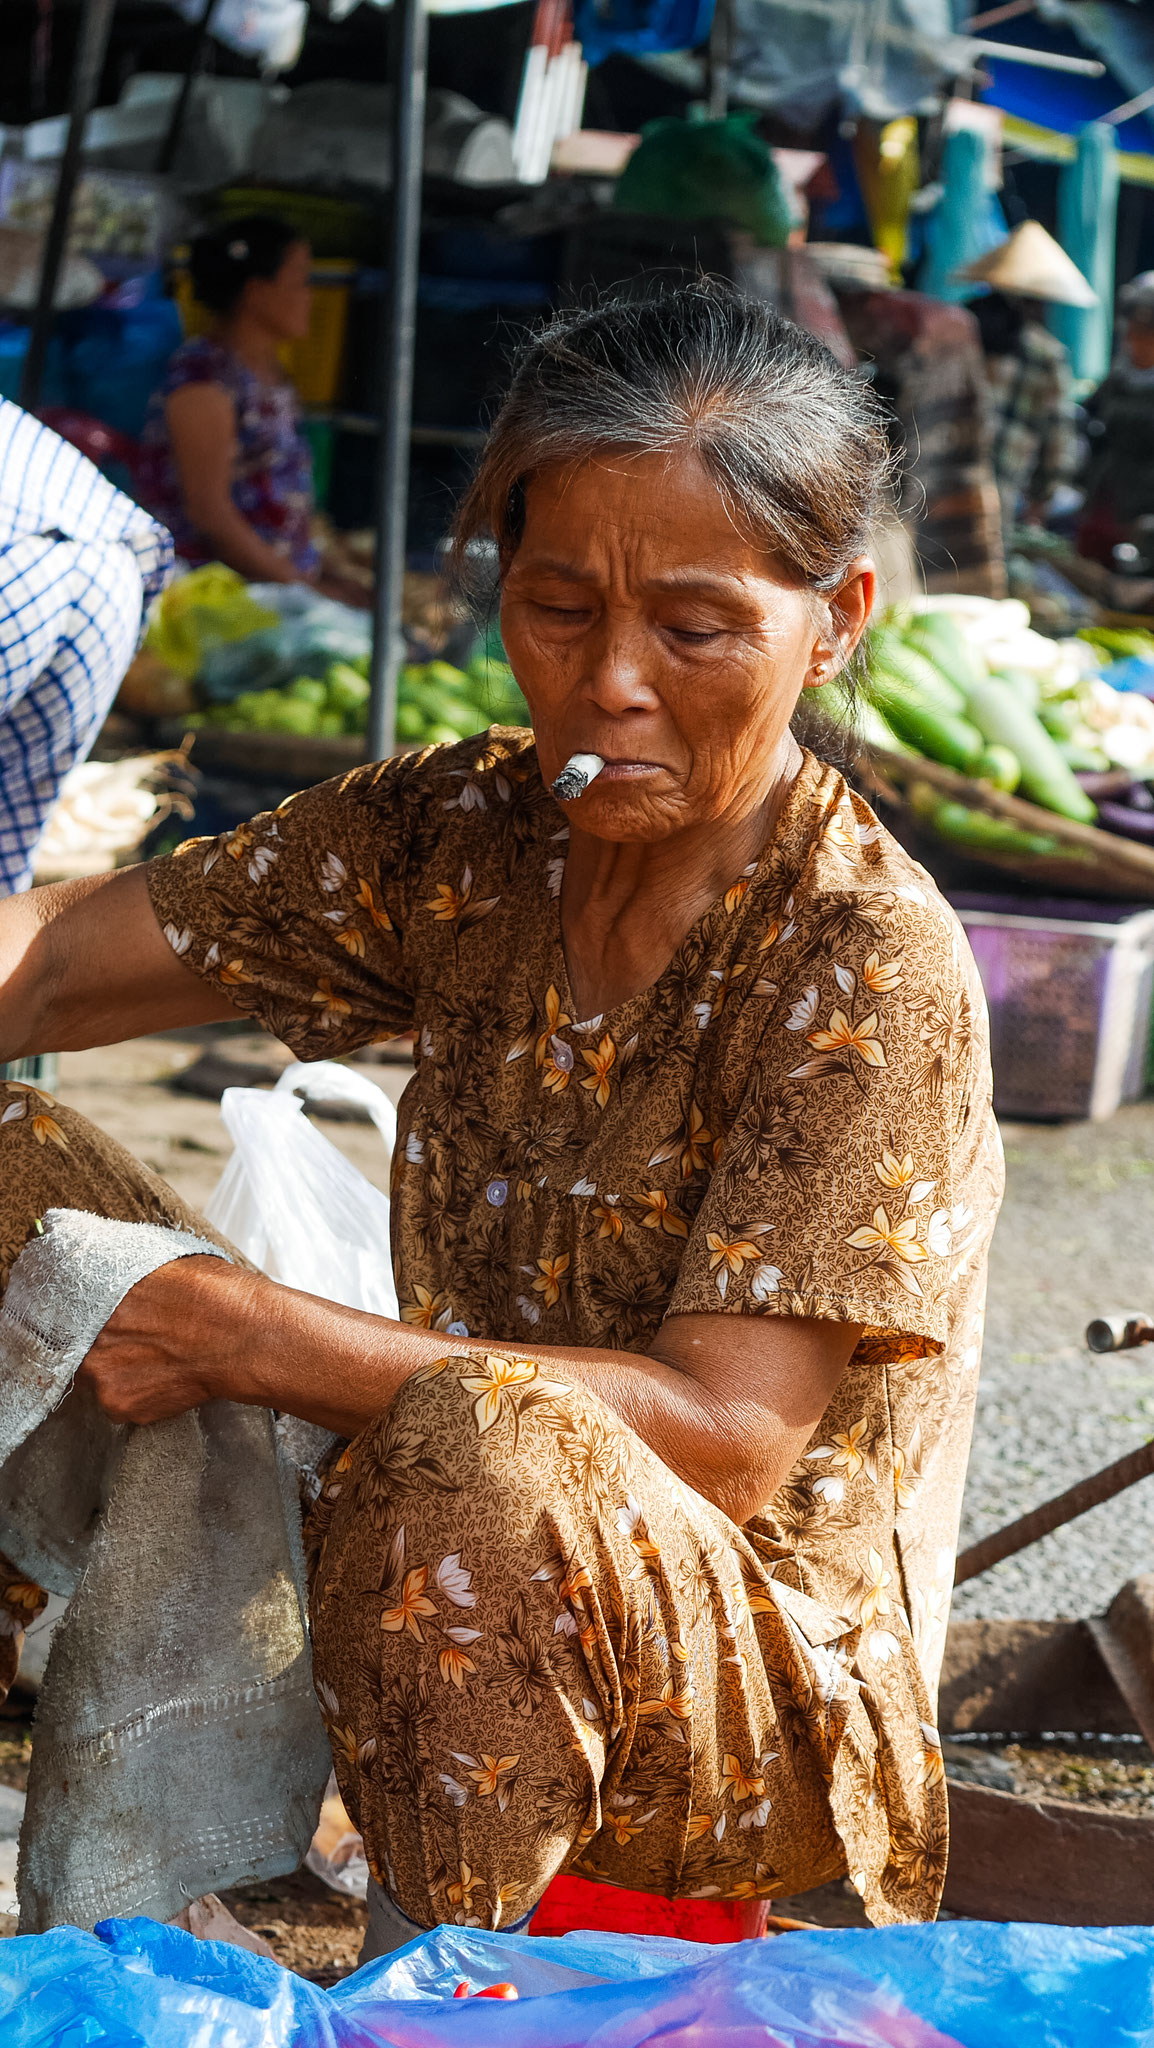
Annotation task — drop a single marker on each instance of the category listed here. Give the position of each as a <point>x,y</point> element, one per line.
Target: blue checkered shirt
<point>79,565</point>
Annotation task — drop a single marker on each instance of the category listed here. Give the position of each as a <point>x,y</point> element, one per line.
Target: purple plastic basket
<point>1069,987</point>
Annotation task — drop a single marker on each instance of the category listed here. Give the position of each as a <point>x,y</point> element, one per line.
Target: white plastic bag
<point>293,1204</point>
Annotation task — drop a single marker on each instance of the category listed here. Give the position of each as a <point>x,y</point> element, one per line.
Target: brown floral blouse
<point>795,1120</point>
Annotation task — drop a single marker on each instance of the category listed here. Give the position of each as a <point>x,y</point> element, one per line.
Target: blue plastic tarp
<point>971,1984</point>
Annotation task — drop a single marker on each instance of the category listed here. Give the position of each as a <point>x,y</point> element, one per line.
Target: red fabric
<point>572,1902</point>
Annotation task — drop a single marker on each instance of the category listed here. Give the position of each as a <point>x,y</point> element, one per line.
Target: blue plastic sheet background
<point>138,1985</point>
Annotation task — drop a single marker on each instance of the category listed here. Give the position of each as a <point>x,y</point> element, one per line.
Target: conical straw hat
<point>1032,264</point>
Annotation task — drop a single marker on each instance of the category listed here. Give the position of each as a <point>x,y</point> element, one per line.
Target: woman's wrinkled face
<point>643,625</point>
<point>282,303</point>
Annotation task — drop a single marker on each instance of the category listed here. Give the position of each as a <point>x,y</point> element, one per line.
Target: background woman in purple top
<point>225,464</point>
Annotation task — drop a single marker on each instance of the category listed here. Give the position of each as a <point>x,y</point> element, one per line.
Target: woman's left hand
<point>184,1334</point>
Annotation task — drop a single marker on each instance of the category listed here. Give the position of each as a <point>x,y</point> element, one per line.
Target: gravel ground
<point>1075,1239</point>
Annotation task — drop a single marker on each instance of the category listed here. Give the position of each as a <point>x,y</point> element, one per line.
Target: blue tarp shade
<point>1064,100</point>
<point>640,28</point>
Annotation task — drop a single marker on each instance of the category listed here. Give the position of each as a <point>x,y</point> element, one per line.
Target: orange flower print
<point>557,1065</point>
<point>233,972</point>
<point>933,1762</point>
<point>894,1172</point>
<point>491,1383</point>
<point>460,1892</point>
<point>841,835</point>
<point>351,939</point>
<point>880,976</point>
<point>741,1781</point>
<point>705,1012</point>
<point>493,1776</point>
<point>453,1663</point>
<point>610,1222</point>
<point>901,1238</point>
<point>729,1255</point>
<point>860,1038</point>
<point>448,903</point>
<point>552,1057</point>
<point>45,1128</point>
<point>660,1215</point>
<point>333,1008</point>
<point>735,896</point>
<point>555,1020</point>
<point>700,1144</point>
<point>427,1311</point>
<point>412,1606</point>
<point>600,1061</point>
<point>551,1278</point>
<point>458,906</point>
<point>238,842</point>
<point>625,1827</point>
<point>677,1704</point>
<point>368,899</point>
<point>577,1581</point>
<point>870,1590</point>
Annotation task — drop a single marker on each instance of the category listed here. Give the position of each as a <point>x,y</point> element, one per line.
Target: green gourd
<point>944,735</point>
<point>1003,719</point>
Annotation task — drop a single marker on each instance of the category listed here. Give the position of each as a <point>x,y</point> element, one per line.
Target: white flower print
<point>455,1582</point>
<point>804,1011</point>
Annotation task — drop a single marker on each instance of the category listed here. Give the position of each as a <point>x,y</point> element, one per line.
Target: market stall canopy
<point>1031,264</point>
<point>272,31</point>
<point>1047,109</point>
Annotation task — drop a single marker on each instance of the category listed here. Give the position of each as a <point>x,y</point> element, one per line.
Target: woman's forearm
<point>342,1369</point>
<point>239,546</point>
<point>727,1402</point>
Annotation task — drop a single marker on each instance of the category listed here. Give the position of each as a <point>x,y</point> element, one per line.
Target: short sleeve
<point>848,1181</point>
<point>300,916</point>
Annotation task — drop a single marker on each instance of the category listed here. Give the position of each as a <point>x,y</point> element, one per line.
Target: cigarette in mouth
<point>576,775</point>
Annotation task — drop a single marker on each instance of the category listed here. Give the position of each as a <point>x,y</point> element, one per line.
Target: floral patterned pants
<point>534,1647</point>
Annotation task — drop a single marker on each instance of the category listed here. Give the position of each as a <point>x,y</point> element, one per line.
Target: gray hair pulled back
<point>795,442</point>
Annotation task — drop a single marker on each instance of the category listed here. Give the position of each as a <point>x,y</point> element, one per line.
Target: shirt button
<point>497,1193</point>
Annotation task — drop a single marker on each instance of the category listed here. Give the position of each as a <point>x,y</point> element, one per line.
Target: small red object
<point>499,1991</point>
<point>462,1990</point>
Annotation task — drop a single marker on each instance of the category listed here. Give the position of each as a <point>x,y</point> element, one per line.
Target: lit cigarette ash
<point>575,777</point>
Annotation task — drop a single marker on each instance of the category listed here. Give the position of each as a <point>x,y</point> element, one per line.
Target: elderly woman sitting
<point>637,1560</point>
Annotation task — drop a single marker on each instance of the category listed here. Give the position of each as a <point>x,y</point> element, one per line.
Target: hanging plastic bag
<point>296,1206</point>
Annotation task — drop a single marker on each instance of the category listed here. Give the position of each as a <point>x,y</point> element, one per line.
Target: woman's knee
<point>51,1157</point>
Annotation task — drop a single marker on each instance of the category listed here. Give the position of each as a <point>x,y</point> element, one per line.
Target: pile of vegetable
<point>280,658</point>
<point>435,702</point>
<point>966,682</point>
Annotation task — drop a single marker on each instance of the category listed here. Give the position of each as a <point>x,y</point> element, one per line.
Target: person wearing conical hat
<point>1035,445</point>
<point>1120,421</point>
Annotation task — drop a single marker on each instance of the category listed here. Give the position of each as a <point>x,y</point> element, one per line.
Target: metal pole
<point>1054,1514</point>
<point>412,36</point>
<point>95,27</point>
<point>719,61</point>
<point>195,66</point>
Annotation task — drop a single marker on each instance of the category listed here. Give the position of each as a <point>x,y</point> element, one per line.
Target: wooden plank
<point>1028,1678</point>
<point>1125,1641</point>
<point>1048,1860</point>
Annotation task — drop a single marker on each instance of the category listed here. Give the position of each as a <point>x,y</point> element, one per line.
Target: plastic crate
<point>316,362</point>
<point>1069,987</point>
